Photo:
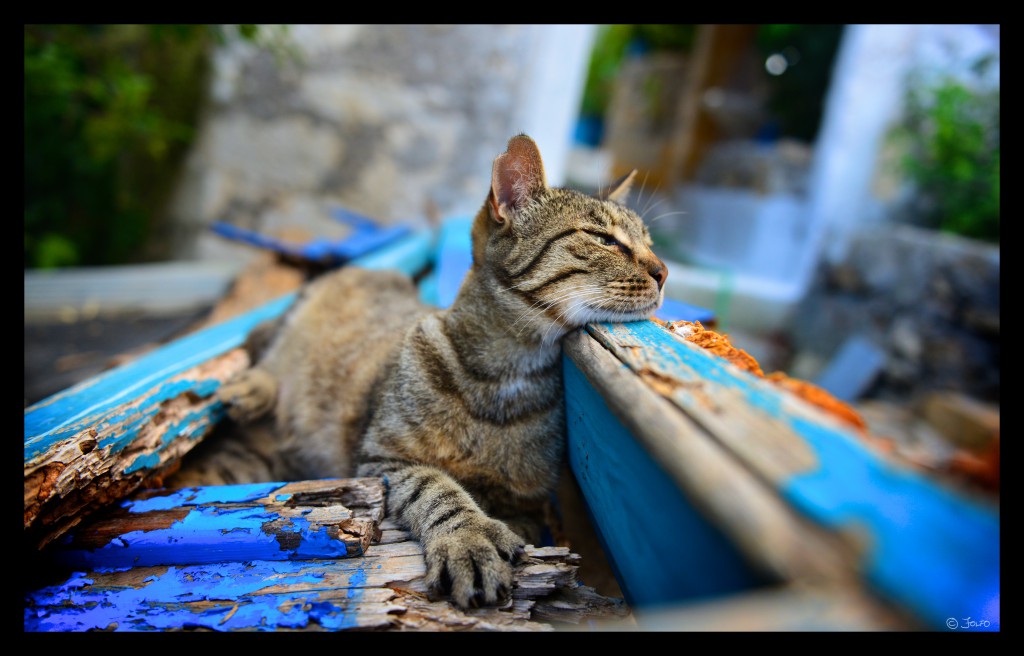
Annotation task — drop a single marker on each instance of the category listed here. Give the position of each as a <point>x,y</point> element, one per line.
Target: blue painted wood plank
<point>229,596</point>
<point>927,548</point>
<point>267,521</point>
<point>366,236</point>
<point>663,550</point>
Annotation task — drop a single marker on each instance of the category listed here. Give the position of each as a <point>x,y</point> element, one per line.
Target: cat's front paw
<point>473,564</point>
<point>249,395</point>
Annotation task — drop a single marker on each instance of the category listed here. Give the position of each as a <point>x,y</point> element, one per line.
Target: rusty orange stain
<point>695,333</point>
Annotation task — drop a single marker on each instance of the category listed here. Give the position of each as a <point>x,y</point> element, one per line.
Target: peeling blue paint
<point>282,497</point>
<point>929,549</point>
<point>197,496</point>
<point>208,534</point>
<point>162,601</point>
<point>143,461</point>
<point>933,551</point>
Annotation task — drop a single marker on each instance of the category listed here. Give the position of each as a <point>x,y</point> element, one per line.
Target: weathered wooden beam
<point>330,518</point>
<point>381,590</point>
<point>622,416</point>
<point>105,438</point>
<point>83,465</point>
<point>916,543</point>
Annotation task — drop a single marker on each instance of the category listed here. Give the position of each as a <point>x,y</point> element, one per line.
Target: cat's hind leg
<point>249,395</point>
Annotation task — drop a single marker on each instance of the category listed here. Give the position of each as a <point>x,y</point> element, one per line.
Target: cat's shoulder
<point>360,280</point>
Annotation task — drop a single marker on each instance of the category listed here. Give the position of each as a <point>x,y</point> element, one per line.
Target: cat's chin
<point>602,315</point>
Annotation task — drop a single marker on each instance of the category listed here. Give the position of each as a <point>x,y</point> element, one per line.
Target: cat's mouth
<point>621,315</point>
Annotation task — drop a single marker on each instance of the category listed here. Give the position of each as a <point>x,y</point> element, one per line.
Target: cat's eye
<point>608,240</point>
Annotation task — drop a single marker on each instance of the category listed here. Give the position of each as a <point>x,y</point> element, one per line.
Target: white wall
<point>864,102</point>
<point>382,119</point>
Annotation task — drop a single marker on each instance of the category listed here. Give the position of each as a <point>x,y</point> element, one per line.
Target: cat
<point>460,410</point>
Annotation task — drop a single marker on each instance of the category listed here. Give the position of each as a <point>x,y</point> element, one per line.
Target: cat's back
<point>332,354</point>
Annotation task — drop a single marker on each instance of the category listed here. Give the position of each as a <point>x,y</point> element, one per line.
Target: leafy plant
<point>109,112</point>
<point>951,135</point>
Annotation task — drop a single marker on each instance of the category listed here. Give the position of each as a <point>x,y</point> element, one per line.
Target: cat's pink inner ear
<point>518,174</point>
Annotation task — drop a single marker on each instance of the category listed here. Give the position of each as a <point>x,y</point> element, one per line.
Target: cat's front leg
<point>249,395</point>
<point>468,554</point>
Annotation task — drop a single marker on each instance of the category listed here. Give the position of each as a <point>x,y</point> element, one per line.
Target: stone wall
<point>384,120</point>
<point>930,301</point>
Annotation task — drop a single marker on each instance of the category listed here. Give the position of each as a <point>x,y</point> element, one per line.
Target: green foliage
<point>109,111</point>
<point>951,134</point>
<point>610,48</point>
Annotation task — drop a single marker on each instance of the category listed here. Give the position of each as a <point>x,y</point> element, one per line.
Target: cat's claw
<point>472,564</point>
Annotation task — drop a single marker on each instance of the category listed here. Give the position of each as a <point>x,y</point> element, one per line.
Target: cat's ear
<point>618,190</point>
<point>517,176</point>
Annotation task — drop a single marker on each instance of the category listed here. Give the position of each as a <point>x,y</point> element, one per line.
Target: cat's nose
<point>659,272</point>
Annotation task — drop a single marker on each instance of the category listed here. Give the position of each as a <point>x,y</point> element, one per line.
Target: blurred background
<point>831,192</point>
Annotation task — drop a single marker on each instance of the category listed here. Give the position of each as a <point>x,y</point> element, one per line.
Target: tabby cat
<point>459,410</point>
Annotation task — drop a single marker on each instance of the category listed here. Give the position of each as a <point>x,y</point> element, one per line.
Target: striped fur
<point>460,410</point>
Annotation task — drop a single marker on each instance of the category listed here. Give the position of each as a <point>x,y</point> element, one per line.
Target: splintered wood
<point>287,562</point>
<point>106,455</point>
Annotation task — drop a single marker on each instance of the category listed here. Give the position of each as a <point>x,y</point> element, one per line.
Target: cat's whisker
<point>507,289</point>
<point>573,312</point>
<point>643,215</point>
<point>576,295</point>
<point>550,302</point>
<point>662,216</point>
<point>640,196</point>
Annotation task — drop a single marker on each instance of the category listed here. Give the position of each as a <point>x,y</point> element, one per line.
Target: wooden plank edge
<point>923,546</point>
<point>774,538</point>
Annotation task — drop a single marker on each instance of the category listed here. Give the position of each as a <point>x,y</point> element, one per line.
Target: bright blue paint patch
<point>357,581</point>
<point>428,288</point>
<point>662,549</point>
<point>673,310</point>
<point>143,461</point>
<point>210,534</point>
<point>162,602</point>
<point>129,381</point>
<point>282,497</point>
<point>410,254</point>
<point>188,426</point>
<point>196,496</point>
<point>454,258</point>
<point>930,550</point>
<point>316,543</point>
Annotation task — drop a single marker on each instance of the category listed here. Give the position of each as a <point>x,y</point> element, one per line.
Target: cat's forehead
<point>575,205</point>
